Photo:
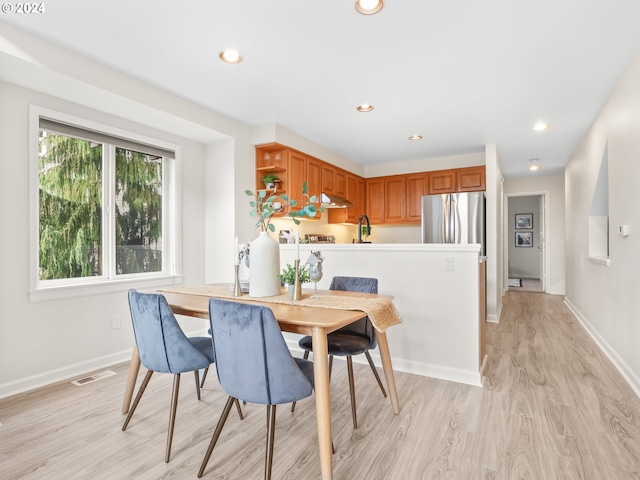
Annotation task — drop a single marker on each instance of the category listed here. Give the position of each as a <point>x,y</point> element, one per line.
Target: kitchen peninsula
<point>438,291</point>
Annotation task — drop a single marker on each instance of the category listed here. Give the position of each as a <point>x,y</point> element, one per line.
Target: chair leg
<point>239,409</point>
<point>172,415</point>
<point>271,431</point>
<point>216,434</point>
<point>375,373</point>
<point>143,387</point>
<point>197,383</point>
<point>330,365</point>
<point>204,376</point>
<point>352,391</point>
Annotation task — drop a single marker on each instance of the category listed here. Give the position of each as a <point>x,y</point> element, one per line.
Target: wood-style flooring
<point>552,407</point>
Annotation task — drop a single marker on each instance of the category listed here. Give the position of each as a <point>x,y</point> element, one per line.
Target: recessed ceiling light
<point>368,7</point>
<point>534,164</point>
<point>230,56</point>
<point>541,126</point>
<point>415,137</point>
<point>365,107</point>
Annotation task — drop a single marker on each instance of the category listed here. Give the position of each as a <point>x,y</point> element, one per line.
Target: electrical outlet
<point>115,322</point>
<point>448,264</point>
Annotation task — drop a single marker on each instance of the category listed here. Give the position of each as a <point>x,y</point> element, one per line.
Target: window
<point>104,207</point>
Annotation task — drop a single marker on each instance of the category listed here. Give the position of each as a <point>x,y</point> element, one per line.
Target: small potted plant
<point>269,181</point>
<point>288,276</point>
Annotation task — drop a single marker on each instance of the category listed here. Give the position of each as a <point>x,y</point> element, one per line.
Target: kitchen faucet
<point>363,217</point>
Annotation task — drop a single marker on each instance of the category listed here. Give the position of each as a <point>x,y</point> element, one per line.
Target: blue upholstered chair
<point>254,364</point>
<point>164,348</point>
<point>354,339</point>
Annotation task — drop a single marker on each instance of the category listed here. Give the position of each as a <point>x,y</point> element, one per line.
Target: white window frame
<point>108,282</point>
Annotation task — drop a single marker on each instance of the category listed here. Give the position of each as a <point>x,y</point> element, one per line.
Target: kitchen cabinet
<point>355,193</point>
<point>417,186</point>
<point>340,183</point>
<point>314,178</point>
<point>471,179</point>
<point>375,199</point>
<point>442,181</point>
<point>328,178</point>
<point>297,174</point>
<point>395,199</point>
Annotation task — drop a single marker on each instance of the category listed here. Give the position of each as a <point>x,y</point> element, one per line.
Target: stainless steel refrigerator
<point>454,218</point>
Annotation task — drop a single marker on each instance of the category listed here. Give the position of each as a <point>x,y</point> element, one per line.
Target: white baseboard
<point>66,373</point>
<point>628,374</point>
<point>416,368</point>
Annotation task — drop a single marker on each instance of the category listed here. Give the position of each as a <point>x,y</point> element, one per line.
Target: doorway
<point>525,224</point>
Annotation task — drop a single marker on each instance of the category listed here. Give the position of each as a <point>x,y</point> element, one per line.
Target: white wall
<point>605,298</point>
<point>553,188</point>
<point>524,262</point>
<point>495,235</point>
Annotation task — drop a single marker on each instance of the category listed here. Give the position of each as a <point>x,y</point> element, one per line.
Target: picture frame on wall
<point>524,220</point>
<point>524,239</point>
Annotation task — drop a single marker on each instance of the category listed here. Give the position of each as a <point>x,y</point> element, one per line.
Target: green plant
<point>263,207</point>
<point>288,275</point>
<point>269,178</point>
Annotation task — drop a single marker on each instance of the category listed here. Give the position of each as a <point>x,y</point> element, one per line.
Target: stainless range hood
<point>328,200</point>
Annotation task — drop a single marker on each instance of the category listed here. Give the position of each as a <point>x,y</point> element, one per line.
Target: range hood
<point>328,200</point>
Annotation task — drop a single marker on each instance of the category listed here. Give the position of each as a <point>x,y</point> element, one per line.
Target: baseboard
<point>627,373</point>
<point>61,374</point>
<point>417,368</point>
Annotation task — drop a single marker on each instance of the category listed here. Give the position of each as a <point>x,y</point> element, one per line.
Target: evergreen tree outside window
<point>101,208</point>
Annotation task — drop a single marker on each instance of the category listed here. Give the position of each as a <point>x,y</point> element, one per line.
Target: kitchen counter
<point>436,291</point>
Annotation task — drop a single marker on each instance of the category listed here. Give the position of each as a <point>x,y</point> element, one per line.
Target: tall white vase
<point>265,267</point>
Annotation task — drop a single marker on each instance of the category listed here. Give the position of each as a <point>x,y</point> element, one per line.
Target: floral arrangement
<point>263,207</point>
<point>288,275</point>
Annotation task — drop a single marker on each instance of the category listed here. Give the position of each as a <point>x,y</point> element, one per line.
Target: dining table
<point>315,315</point>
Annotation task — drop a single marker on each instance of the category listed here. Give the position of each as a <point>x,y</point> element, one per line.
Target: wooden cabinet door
<point>417,186</point>
<point>352,213</point>
<point>340,183</point>
<point>442,181</point>
<point>395,199</point>
<point>471,179</point>
<point>296,174</point>
<point>375,199</point>
<point>314,178</point>
<point>328,178</point>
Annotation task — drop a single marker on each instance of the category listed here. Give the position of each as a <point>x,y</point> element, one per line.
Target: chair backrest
<point>357,284</point>
<point>162,345</point>
<point>252,358</point>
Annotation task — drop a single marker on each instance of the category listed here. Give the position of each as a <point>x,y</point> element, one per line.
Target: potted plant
<point>269,181</point>
<point>288,276</point>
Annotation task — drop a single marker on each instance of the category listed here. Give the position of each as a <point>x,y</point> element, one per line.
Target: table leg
<point>323,400</point>
<point>385,356</point>
<point>134,368</point>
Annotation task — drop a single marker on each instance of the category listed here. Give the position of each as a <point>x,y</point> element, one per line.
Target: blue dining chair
<point>254,364</point>
<point>354,339</point>
<point>164,348</point>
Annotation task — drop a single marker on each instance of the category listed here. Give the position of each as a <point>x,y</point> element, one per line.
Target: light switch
<point>623,230</point>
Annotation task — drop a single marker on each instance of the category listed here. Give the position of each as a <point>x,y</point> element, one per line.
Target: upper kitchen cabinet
<point>314,177</point>
<point>355,193</point>
<point>297,174</point>
<point>395,199</point>
<point>417,187</point>
<point>375,199</point>
<point>271,159</point>
<point>471,179</point>
<point>442,181</point>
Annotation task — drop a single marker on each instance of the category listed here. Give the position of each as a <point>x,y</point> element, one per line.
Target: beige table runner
<point>381,311</point>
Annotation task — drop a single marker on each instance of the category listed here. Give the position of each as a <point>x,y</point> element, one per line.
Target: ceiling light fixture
<point>415,137</point>
<point>365,107</point>
<point>534,164</point>
<point>230,56</point>
<point>369,7</point>
<point>541,126</point>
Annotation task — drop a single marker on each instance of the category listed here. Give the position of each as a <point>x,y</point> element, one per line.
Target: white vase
<point>265,267</point>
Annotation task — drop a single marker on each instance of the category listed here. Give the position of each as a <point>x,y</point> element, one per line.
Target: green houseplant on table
<point>265,251</point>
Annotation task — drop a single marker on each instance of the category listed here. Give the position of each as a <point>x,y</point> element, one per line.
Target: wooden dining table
<point>301,319</point>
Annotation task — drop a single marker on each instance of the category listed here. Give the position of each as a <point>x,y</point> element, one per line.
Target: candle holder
<point>297,286</point>
<point>237,290</point>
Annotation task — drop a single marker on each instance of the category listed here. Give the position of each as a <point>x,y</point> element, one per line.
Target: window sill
<point>71,291</point>
<point>600,260</point>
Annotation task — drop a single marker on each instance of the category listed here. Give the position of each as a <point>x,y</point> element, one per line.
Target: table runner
<point>381,311</point>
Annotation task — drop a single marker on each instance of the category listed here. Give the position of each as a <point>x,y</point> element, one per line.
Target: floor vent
<point>93,378</point>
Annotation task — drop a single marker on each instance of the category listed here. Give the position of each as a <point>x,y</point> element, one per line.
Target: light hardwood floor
<point>552,407</point>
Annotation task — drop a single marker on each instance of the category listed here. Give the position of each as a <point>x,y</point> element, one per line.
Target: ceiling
<point>462,73</point>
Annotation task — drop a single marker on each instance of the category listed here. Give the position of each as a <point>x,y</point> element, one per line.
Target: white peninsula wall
<point>440,333</point>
